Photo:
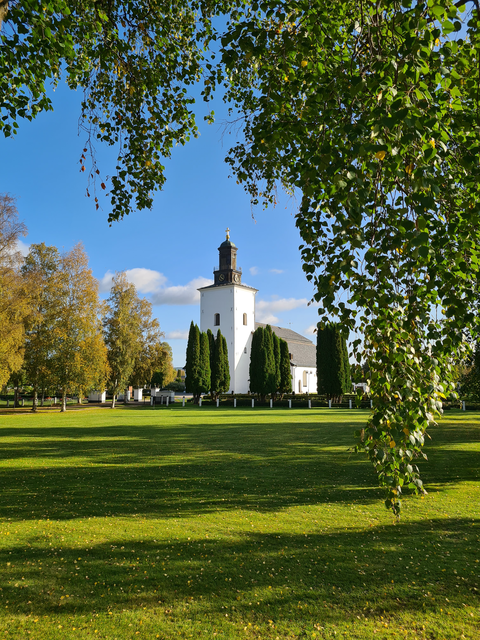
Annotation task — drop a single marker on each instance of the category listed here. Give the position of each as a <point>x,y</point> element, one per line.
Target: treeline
<point>207,369</point>
<point>269,370</point>
<point>57,336</point>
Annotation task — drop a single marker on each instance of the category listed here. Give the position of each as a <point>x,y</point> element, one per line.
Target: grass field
<point>205,523</point>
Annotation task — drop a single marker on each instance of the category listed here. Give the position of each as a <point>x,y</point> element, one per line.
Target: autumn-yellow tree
<point>152,352</point>
<point>122,328</point>
<point>14,298</point>
<point>42,269</point>
<point>79,360</point>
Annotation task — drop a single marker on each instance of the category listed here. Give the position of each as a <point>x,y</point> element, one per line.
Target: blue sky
<point>171,250</point>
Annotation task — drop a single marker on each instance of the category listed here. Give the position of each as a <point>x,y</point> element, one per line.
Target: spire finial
<point>228,233</point>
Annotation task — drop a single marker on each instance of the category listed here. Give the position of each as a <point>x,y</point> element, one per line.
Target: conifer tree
<point>269,384</point>
<point>277,358</point>
<point>193,363</point>
<point>254,369</point>
<point>226,367</point>
<point>221,369</point>
<point>331,354</point>
<point>285,370</point>
<point>262,362</point>
<point>211,344</point>
<point>205,381</point>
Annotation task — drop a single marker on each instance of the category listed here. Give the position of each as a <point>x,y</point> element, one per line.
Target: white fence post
<point>183,401</point>
<point>200,402</point>
<point>218,402</point>
<point>234,403</point>
<point>167,401</point>
<point>271,403</point>
<point>463,405</point>
<point>289,404</point>
<point>350,403</point>
<point>309,404</point>
<point>330,404</point>
<point>371,403</point>
<point>253,403</point>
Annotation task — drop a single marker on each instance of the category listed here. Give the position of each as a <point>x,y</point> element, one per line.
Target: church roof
<point>304,352</point>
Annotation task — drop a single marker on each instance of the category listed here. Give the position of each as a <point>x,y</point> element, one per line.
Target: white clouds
<point>146,280</point>
<point>276,271</point>
<point>311,330</point>
<point>180,294</point>
<point>177,335</point>
<point>265,310</point>
<point>23,247</point>
<point>253,271</point>
<point>155,283</point>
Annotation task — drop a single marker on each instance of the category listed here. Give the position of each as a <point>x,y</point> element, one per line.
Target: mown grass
<point>180,523</point>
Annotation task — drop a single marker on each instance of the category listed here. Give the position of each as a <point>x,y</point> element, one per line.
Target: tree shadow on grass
<point>326,577</point>
<point>187,470</point>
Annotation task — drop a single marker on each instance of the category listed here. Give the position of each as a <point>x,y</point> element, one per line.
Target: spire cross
<point>228,233</point>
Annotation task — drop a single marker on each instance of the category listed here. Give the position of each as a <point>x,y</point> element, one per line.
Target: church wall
<point>298,380</point>
<point>244,303</point>
<point>231,302</point>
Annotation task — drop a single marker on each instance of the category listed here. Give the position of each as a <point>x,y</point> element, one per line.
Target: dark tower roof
<point>227,272</point>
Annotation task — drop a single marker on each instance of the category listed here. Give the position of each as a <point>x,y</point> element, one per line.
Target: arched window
<point>245,319</point>
<point>216,320</point>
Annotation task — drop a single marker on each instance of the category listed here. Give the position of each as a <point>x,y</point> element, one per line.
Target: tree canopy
<point>369,110</point>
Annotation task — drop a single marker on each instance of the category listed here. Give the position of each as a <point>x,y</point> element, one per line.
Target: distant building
<point>229,305</point>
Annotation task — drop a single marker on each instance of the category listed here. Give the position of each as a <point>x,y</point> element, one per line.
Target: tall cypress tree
<point>211,344</point>
<point>221,369</point>
<point>270,370</point>
<point>254,369</point>
<point>205,379</point>
<point>226,366</point>
<point>277,357</point>
<point>192,366</point>
<point>347,386</point>
<point>330,360</point>
<point>285,370</point>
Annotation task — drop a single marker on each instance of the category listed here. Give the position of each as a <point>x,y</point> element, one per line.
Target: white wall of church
<point>304,379</point>
<point>231,302</point>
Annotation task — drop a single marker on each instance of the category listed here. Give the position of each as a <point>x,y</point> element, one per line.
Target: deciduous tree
<point>42,269</point>
<point>14,290</point>
<point>121,327</point>
<point>79,359</point>
<point>370,111</point>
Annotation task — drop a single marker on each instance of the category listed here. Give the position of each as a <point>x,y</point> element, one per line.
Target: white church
<point>229,305</point>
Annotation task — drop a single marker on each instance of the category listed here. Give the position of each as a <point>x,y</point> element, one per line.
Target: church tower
<point>229,305</point>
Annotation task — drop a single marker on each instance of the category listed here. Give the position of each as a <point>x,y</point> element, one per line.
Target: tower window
<point>245,319</point>
<point>304,378</point>
<point>216,320</point>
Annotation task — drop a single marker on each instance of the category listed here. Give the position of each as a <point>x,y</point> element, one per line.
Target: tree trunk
<point>42,401</point>
<point>113,401</point>
<point>35,400</point>
<point>15,398</point>
<point>64,402</point>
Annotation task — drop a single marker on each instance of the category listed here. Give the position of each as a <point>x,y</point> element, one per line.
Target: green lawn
<point>202,523</point>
